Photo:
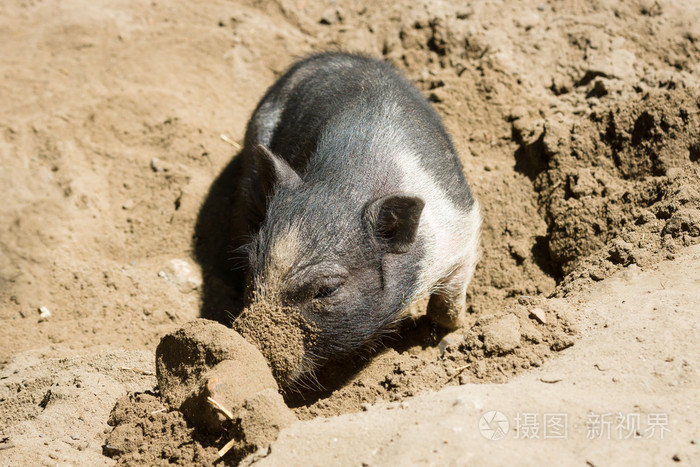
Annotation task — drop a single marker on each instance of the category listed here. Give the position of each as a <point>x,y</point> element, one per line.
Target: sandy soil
<point>578,124</point>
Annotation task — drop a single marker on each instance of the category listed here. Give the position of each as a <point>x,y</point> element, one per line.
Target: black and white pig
<point>355,205</point>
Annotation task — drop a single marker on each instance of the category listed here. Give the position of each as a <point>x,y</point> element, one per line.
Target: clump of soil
<point>147,433</point>
<point>212,385</point>
<point>281,334</point>
<point>619,186</point>
<point>185,356</point>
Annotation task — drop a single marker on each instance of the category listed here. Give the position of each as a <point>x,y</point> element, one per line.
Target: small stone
<point>156,165</point>
<point>75,437</point>
<point>650,8</point>
<point>539,315</point>
<point>617,64</point>
<point>480,136</point>
<point>128,204</point>
<point>439,95</point>
<point>527,21</point>
<point>646,217</point>
<point>329,16</point>
<point>621,252</point>
<point>182,274</point>
<point>44,314</point>
<point>561,342</point>
<point>599,88</point>
<point>597,274</point>
<point>517,113</point>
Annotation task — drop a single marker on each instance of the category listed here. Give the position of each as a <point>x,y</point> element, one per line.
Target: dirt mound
<point>214,389</point>
<point>620,185</point>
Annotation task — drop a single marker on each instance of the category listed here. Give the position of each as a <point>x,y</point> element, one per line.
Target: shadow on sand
<point>214,247</point>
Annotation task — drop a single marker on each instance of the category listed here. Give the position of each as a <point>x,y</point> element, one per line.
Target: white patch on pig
<point>451,235</point>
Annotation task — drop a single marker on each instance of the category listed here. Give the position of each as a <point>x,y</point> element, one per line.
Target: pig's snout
<point>281,334</point>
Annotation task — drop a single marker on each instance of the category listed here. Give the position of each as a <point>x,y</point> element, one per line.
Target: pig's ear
<point>393,220</point>
<point>273,170</point>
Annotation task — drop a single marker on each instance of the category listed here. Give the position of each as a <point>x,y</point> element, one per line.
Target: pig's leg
<point>448,303</point>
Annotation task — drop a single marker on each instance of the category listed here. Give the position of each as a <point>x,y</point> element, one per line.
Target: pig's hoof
<point>446,313</point>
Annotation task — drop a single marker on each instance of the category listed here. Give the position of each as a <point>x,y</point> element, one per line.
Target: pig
<point>353,205</point>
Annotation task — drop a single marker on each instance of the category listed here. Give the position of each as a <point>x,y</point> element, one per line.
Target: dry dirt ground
<point>578,125</point>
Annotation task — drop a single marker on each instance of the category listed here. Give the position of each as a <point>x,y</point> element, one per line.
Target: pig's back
<point>342,113</point>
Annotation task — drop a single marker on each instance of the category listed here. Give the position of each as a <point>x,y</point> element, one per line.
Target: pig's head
<point>336,263</point>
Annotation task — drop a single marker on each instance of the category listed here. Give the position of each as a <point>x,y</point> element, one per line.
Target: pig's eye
<point>327,290</point>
